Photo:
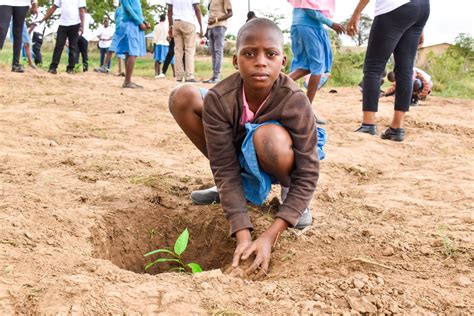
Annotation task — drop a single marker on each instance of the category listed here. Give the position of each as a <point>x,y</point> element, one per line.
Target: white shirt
<point>160,33</point>
<point>105,36</point>
<point>88,20</point>
<point>70,11</point>
<point>183,10</point>
<point>385,6</point>
<point>18,3</point>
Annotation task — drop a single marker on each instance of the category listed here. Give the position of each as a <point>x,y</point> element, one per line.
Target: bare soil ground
<point>93,176</point>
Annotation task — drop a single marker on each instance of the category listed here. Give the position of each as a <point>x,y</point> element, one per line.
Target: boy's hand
<point>338,28</point>
<point>244,240</point>
<point>262,247</point>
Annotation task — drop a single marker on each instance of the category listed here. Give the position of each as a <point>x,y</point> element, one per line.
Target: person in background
<point>310,43</point>
<point>105,34</point>
<point>396,29</point>
<point>219,12</point>
<point>37,39</point>
<point>131,38</point>
<point>83,43</point>
<point>181,17</point>
<point>15,11</point>
<point>161,45</point>
<point>71,26</point>
<point>422,84</point>
<point>251,15</point>
<point>169,60</point>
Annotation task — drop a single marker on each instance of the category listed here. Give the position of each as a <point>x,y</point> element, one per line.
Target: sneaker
<point>320,121</point>
<point>132,85</point>
<point>305,220</point>
<point>206,196</point>
<point>368,129</point>
<point>179,80</point>
<point>211,81</point>
<point>53,71</point>
<point>395,134</point>
<point>18,68</point>
<point>192,80</point>
<point>162,75</point>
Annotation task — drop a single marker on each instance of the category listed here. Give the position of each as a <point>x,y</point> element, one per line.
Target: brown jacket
<point>224,136</point>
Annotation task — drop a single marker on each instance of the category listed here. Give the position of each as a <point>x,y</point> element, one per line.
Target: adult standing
<point>310,43</point>
<point>15,10</point>
<point>219,12</point>
<point>131,38</point>
<point>83,43</point>
<point>181,17</point>
<point>71,26</point>
<point>396,29</point>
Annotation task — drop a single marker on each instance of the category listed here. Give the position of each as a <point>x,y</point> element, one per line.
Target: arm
<point>49,13</point>
<point>197,11</point>
<point>170,20</point>
<point>134,16</point>
<point>321,18</point>
<point>353,25</point>
<point>217,19</point>
<point>82,13</point>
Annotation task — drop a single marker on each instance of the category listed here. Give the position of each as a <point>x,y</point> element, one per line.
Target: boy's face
<point>260,58</point>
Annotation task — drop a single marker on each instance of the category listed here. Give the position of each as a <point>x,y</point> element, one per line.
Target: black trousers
<point>82,46</point>
<point>37,43</point>
<point>169,56</point>
<point>18,14</point>
<point>396,32</point>
<point>71,33</point>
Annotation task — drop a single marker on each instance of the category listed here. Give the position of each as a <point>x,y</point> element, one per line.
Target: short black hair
<point>162,17</point>
<point>257,24</point>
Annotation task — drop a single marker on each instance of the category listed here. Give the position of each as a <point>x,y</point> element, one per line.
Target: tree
<point>464,45</point>
<point>362,36</point>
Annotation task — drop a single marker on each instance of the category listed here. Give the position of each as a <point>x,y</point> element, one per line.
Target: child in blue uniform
<point>131,38</point>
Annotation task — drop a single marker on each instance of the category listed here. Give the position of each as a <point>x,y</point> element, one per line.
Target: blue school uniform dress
<point>310,41</point>
<point>130,38</point>
<point>118,20</point>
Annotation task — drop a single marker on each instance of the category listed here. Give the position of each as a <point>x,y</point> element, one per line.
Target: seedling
<point>179,247</point>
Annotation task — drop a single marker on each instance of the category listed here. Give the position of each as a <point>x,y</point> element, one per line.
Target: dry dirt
<point>93,176</point>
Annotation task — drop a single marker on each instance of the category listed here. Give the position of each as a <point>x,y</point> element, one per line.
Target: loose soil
<point>93,176</point>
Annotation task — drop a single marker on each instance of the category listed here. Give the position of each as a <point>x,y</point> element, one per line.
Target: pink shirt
<point>327,7</point>
<point>247,114</point>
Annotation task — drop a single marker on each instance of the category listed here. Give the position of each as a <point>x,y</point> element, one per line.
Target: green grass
<point>144,66</point>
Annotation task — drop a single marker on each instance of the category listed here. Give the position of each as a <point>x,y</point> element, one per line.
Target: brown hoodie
<point>224,136</point>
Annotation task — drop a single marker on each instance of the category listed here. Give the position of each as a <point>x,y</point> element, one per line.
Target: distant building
<point>437,49</point>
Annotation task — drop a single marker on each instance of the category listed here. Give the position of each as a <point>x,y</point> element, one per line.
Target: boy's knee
<point>272,140</point>
<point>182,98</point>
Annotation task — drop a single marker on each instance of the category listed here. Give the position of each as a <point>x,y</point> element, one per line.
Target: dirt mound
<point>93,176</point>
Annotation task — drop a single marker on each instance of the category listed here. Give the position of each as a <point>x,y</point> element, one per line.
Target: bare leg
<point>157,68</point>
<point>119,65</point>
<point>398,118</point>
<point>28,56</point>
<point>298,73</point>
<point>129,64</point>
<point>108,57</point>
<point>186,104</point>
<point>273,146</point>
<point>313,87</point>
<point>368,117</point>
<point>174,72</point>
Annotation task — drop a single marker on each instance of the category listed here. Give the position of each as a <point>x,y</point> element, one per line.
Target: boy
<point>255,126</point>
<point>71,26</point>
<point>422,84</point>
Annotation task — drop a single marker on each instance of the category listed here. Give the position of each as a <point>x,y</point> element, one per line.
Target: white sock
<point>283,193</point>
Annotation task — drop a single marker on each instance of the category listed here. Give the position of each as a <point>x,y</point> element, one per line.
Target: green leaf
<point>160,260</point>
<point>182,242</point>
<point>195,268</point>
<point>158,251</point>
<point>178,269</point>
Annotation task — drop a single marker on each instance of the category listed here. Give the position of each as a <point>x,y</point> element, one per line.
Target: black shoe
<point>70,71</point>
<point>395,134</point>
<point>191,80</point>
<point>206,196</point>
<point>368,129</point>
<point>53,71</point>
<point>211,81</point>
<point>18,68</point>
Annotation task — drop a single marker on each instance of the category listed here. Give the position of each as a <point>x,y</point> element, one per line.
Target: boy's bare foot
<point>132,85</point>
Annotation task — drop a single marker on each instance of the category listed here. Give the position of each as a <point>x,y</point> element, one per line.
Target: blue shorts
<point>160,52</point>
<point>130,40</point>
<point>256,182</point>
<point>311,49</point>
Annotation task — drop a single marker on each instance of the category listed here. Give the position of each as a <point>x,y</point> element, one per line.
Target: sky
<point>447,18</point>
